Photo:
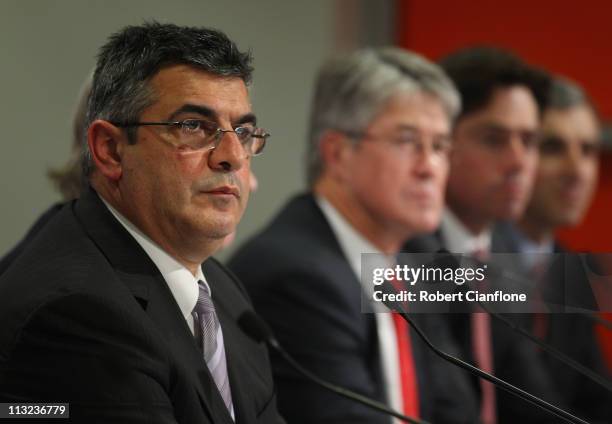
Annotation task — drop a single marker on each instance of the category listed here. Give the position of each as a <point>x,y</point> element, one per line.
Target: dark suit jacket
<point>457,394</point>
<point>515,359</point>
<point>302,284</point>
<point>572,333</point>
<point>88,319</point>
<point>42,220</point>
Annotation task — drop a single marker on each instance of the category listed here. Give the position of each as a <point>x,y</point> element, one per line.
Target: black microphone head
<point>255,327</point>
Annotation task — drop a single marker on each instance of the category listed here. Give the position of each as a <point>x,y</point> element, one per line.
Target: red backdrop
<point>569,38</point>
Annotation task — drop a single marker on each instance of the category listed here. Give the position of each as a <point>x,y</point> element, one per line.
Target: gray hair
<point>351,90</point>
<point>134,55</point>
<point>565,94</point>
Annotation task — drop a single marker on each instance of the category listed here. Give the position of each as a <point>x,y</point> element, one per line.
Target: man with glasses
<point>377,164</point>
<point>116,307</point>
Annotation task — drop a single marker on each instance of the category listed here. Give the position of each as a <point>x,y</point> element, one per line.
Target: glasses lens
<point>198,133</point>
<point>244,133</point>
<point>259,141</point>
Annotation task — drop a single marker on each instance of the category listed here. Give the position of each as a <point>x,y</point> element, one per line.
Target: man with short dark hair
<point>116,306</point>
<point>494,142</point>
<point>492,167</point>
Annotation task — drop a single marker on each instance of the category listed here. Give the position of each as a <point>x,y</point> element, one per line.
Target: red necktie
<point>408,376</point>
<point>483,354</point>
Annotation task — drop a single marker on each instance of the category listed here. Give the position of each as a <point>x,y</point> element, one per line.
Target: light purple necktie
<point>206,320</point>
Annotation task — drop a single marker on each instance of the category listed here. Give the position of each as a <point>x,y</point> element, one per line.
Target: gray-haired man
<point>377,164</point>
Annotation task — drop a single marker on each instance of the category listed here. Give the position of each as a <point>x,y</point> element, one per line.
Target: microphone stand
<point>491,378</point>
<point>577,366</point>
<point>258,330</point>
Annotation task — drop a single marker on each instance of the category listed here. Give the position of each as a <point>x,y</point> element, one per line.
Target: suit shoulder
<point>297,239</point>
<point>70,317</point>
<point>60,262</point>
<point>269,256</point>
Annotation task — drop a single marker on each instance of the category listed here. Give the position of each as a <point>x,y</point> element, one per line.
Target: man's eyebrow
<point>406,127</point>
<point>491,126</point>
<point>409,128</point>
<point>209,113</point>
<point>191,108</point>
<point>249,118</point>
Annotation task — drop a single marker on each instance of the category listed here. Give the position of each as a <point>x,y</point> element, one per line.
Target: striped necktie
<point>207,323</point>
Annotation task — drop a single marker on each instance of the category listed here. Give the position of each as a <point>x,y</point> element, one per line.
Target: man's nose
<point>518,153</point>
<point>427,159</point>
<point>229,155</point>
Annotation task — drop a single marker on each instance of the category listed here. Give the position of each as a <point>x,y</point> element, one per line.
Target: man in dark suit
<point>116,306</point>
<point>492,167</point>
<point>379,139</point>
<point>565,182</point>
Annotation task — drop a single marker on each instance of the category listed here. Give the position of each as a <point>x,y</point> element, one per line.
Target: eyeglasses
<point>200,134</point>
<point>410,142</point>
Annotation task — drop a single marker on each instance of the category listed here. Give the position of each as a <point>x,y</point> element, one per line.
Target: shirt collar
<point>353,244</point>
<point>531,252</point>
<point>458,238</point>
<point>526,245</point>
<point>182,283</point>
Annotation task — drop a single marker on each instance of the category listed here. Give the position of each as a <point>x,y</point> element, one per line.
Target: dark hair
<point>132,56</point>
<point>478,71</point>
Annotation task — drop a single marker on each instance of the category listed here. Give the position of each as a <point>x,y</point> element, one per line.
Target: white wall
<point>49,46</point>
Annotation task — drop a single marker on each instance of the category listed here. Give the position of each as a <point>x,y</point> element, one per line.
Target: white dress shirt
<point>353,244</point>
<point>182,283</point>
<point>532,253</point>
<point>457,238</point>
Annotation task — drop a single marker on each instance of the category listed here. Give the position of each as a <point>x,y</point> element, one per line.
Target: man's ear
<point>106,145</point>
<point>335,149</point>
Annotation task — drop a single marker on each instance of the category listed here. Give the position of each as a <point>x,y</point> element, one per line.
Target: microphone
<point>257,329</point>
<point>551,350</point>
<point>498,382</point>
<point>449,258</point>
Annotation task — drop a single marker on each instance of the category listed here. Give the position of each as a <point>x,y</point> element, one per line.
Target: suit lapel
<point>165,313</point>
<point>140,275</point>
